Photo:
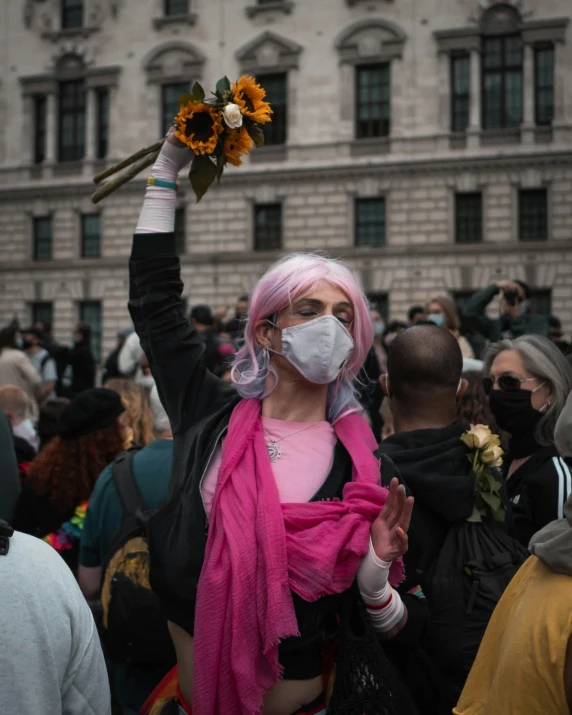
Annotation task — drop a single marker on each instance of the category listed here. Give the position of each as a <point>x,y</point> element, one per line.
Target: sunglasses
<point>506,383</point>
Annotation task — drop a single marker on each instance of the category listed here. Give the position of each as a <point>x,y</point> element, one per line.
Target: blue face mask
<point>20,342</point>
<point>437,318</point>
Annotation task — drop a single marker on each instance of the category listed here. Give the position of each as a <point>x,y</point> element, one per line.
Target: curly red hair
<point>66,469</point>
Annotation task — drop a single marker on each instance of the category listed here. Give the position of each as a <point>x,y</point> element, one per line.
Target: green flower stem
<point>131,173</point>
<point>124,163</point>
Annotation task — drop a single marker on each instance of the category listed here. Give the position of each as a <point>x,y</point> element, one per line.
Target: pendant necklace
<point>274,449</point>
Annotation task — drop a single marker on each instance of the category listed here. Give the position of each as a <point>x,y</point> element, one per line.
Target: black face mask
<point>514,412</point>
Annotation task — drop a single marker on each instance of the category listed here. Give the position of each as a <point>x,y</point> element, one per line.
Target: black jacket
<point>199,406</point>
<point>538,490</point>
<point>83,366</point>
<point>434,466</point>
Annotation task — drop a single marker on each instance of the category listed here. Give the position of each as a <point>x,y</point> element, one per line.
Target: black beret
<point>89,411</point>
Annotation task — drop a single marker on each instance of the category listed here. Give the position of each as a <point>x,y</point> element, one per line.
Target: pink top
<point>304,464</point>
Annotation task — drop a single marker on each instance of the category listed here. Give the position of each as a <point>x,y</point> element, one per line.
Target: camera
<point>512,298</point>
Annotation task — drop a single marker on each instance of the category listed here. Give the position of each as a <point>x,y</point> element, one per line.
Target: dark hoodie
<point>433,465</point>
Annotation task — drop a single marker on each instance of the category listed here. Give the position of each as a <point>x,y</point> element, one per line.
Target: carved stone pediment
<point>371,40</point>
<point>269,52</point>
<point>174,61</point>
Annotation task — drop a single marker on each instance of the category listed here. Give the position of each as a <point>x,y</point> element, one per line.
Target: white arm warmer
<point>158,212</point>
<point>384,605</point>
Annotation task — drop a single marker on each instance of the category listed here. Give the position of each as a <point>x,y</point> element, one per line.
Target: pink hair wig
<point>284,283</point>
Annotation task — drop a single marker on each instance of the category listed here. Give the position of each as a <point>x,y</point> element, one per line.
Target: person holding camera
<point>516,317</point>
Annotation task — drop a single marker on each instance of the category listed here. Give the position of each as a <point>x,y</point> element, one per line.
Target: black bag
<point>134,628</point>
<point>463,586</point>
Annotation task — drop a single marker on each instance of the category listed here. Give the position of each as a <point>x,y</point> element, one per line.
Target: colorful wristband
<point>152,181</point>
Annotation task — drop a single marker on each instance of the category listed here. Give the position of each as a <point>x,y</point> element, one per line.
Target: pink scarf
<point>258,550</point>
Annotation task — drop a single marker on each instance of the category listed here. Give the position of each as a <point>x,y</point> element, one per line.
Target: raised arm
<point>187,389</point>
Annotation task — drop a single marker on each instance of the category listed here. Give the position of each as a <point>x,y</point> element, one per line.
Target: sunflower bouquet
<point>219,130</point>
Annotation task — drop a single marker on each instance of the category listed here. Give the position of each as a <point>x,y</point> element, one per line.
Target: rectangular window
<point>180,231</point>
<point>90,313</point>
<point>39,129</point>
<point>72,14</point>
<point>176,7</point>
<point>43,238</point>
<point>170,94</point>
<point>544,84</point>
<point>91,236</point>
<point>268,227</point>
<point>533,215</point>
<point>42,312</point>
<point>372,101</point>
<point>276,87</point>
<point>502,82</point>
<point>460,92</point>
<point>541,301</point>
<point>370,222</point>
<point>71,121</point>
<point>101,122</point>
<point>469,218</point>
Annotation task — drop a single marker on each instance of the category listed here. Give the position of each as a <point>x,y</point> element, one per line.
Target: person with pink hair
<point>277,537</point>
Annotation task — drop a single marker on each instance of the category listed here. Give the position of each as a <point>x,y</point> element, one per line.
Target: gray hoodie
<point>50,656</point>
<point>553,544</point>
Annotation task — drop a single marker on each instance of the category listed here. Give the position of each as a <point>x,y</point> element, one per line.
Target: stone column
<point>90,124</point>
<point>444,94</point>
<point>528,95</point>
<point>474,131</point>
<point>51,128</point>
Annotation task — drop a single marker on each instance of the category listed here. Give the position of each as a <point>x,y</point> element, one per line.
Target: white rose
<point>232,116</point>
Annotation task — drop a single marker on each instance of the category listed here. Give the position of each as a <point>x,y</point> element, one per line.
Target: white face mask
<point>318,349</point>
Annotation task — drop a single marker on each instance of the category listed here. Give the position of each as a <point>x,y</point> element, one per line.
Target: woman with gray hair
<point>527,382</point>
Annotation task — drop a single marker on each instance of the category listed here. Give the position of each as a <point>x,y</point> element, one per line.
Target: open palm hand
<point>389,530</point>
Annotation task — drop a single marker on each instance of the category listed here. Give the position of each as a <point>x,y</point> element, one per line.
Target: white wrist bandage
<point>384,605</point>
<point>158,212</point>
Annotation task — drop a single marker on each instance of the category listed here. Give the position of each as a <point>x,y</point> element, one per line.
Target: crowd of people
<point>287,507</point>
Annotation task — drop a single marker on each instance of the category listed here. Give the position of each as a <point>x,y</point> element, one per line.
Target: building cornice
<point>529,250</point>
<point>287,174</point>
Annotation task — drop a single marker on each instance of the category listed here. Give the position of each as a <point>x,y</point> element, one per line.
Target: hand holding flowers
<point>219,131</point>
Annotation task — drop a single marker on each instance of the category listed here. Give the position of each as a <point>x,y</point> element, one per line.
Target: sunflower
<point>236,143</point>
<point>198,126</point>
<point>250,98</point>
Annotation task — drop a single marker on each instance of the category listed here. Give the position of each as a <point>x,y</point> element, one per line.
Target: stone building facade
<point>427,143</point>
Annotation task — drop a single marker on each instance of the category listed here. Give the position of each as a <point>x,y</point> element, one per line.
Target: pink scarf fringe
<point>258,550</point>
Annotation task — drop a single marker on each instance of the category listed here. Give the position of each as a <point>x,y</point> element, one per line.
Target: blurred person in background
<point>81,360</point>
<point>16,369</point>
<point>111,364</point>
<point>378,330</point>
<point>203,321</point>
<point>415,314</point>
<point>152,472</point>
<point>528,643</point>
<point>235,326</point>
<point>50,413</point>
<point>43,362</point>
<point>9,475</point>
<point>138,414</point>
<point>556,335</point>
<point>443,313</point>
<point>58,352</point>
<point>527,381</point>
<point>516,317</point>
<point>473,406</point>
<point>91,432</point>
<point>16,406</point>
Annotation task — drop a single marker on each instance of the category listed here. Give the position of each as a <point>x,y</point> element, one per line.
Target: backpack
<point>134,627</point>
<point>463,585</point>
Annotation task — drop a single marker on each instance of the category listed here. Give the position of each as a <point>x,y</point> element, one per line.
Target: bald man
<point>423,383</point>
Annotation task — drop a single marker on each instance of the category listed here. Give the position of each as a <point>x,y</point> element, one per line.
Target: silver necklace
<point>274,449</point>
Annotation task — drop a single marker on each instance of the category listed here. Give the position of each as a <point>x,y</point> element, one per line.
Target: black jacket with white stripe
<point>538,490</point>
